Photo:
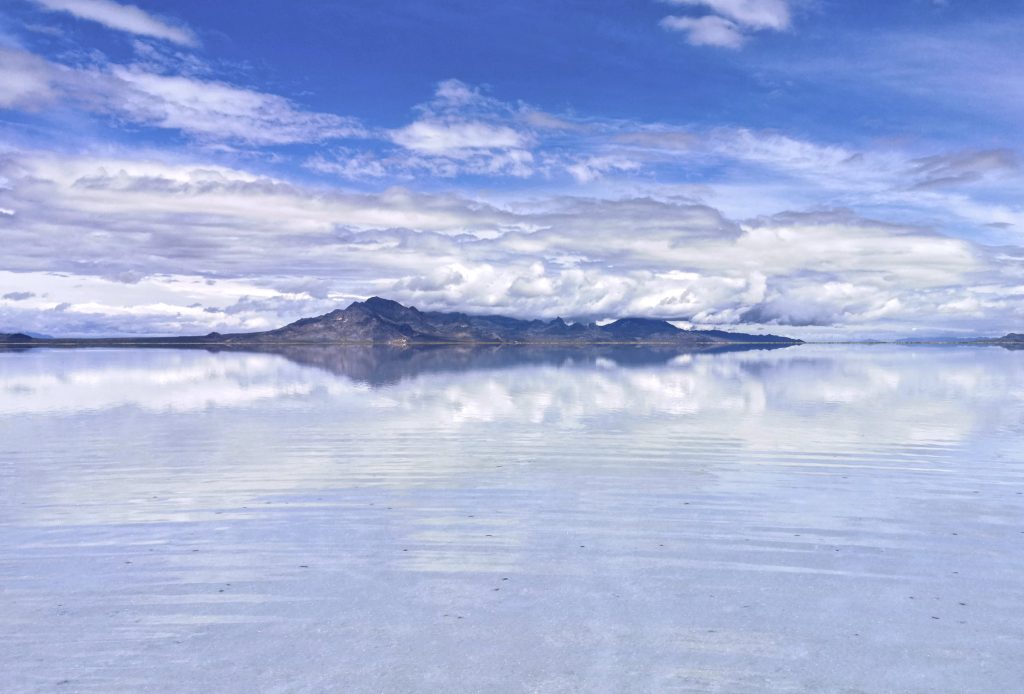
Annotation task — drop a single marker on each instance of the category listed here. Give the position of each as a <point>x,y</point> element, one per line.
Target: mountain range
<point>382,321</point>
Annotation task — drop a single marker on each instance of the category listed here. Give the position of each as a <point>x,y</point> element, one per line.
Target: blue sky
<point>815,167</point>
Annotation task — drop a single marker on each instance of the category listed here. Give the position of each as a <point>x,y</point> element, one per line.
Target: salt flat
<point>810,519</point>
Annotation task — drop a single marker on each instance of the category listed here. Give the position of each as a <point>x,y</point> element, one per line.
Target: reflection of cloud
<point>223,430</point>
<point>566,386</point>
<point>38,382</point>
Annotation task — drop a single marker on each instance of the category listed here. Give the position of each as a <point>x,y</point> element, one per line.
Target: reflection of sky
<point>745,512</point>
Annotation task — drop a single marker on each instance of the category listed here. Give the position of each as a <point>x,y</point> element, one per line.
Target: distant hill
<point>1014,341</point>
<point>382,321</point>
<point>15,338</point>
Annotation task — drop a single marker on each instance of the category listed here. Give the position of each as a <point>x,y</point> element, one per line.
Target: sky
<point>817,168</point>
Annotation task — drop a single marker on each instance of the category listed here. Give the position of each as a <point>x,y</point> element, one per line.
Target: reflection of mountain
<point>378,365</point>
<point>1011,341</point>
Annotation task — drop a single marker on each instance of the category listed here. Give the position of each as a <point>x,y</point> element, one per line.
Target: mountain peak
<point>642,327</point>
<point>387,308</point>
<point>380,302</point>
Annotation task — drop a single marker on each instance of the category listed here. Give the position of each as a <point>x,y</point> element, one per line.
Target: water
<point>808,519</point>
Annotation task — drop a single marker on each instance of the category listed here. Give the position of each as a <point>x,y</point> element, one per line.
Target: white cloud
<point>730,21</point>
<point>128,18</point>
<point>286,251</point>
<point>349,165</point>
<point>27,81</point>
<point>217,110</point>
<point>456,138</point>
<point>756,14</point>
<point>706,31</point>
<point>464,131</point>
<point>592,168</point>
<point>205,109</point>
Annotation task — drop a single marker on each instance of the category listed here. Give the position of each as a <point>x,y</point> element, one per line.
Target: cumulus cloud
<point>729,22</point>
<point>127,18</point>
<point>174,227</point>
<point>462,130</point>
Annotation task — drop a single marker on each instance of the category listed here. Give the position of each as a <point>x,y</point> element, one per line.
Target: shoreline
<point>79,343</point>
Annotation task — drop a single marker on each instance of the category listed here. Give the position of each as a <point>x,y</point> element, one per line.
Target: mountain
<point>378,320</point>
<point>8,338</point>
<point>382,321</point>
<point>1014,341</point>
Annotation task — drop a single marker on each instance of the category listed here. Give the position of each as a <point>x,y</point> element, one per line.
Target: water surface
<point>808,519</point>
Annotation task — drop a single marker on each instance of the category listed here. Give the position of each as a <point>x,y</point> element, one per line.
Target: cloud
<point>28,81</point>
<point>940,171</point>
<point>464,131</point>
<point>730,21</point>
<point>205,109</point>
<point>209,109</point>
<point>173,227</point>
<point>456,138</point>
<point>592,168</point>
<point>657,138</point>
<point>348,164</point>
<point>127,18</point>
<point>461,131</point>
<point>17,296</point>
<point>755,14</point>
<point>706,31</point>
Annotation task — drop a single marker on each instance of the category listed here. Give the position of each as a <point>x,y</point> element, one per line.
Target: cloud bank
<point>204,248</point>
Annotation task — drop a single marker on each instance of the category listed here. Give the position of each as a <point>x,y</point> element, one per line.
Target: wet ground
<point>814,519</point>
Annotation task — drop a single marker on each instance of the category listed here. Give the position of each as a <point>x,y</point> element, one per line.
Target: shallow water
<point>808,519</point>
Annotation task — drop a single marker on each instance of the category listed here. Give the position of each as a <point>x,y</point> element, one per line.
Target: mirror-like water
<point>816,518</point>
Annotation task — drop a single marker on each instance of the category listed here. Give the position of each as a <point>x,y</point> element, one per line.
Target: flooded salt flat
<point>808,519</point>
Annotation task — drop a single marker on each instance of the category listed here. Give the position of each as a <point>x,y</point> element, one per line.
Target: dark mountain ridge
<point>379,320</point>
<point>382,321</point>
